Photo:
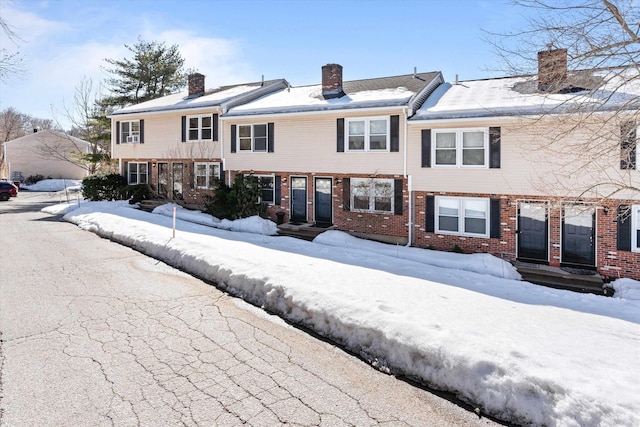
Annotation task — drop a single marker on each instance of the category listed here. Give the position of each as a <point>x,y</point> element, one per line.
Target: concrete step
<point>558,278</point>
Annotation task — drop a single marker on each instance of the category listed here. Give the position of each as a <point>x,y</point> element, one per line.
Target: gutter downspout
<point>409,183</point>
<point>221,135</point>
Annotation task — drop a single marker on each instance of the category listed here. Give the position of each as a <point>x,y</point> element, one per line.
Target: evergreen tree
<point>154,71</point>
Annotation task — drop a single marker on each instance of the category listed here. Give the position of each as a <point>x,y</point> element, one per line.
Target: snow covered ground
<point>462,323</point>
<point>54,185</point>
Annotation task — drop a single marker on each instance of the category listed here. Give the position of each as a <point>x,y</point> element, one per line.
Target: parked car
<point>7,190</point>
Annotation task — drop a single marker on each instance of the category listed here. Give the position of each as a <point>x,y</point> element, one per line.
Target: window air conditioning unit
<point>133,138</point>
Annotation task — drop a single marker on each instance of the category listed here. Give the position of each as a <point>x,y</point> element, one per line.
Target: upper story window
<point>130,132</point>
<point>200,128</point>
<point>138,173</point>
<point>369,134</point>
<point>461,148</point>
<point>462,216</point>
<point>372,195</point>
<point>206,174</point>
<point>252,138</point>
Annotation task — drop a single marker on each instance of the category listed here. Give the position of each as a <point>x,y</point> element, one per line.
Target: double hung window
<point>138,173</point>
<point>369,134</point>
<point>206,174</point>
<point>200,128</point>
<point>462,216</point>
<point>130,132</point>
<point>372,195</point>
<point>252,138</point>
<point>267,183</point>
<point>461,148</point>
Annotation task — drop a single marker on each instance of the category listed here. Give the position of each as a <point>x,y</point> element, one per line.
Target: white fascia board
<point>344,111</point>
<point>183,112</point>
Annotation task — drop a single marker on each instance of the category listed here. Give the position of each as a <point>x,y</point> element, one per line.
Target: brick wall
<point>611,263</point>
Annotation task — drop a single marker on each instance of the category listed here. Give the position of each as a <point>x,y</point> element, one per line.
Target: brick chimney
<point>332,81</point>
<point>196,84</point>
<point>552,69</point>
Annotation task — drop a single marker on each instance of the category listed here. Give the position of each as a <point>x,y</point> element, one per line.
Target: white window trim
<point>367,139</point>
<point>635,219</point>
<point>372,204</point>
<point>273,177</point>
<point>459,149</point>
<point>208,165</point>
<point>137,173</point>
<point>188,129</point>
<point>253,138</point>
<point>460,201</point>
<point>130,137</point>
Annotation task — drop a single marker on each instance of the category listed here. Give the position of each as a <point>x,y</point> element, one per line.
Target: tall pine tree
<point>154,71</point>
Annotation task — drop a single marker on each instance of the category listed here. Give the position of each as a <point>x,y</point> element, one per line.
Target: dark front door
<point>163,179</point>
<point>323,202</point>
<point>298,199</point>
<point>533,232</point>
<point>578,236</point>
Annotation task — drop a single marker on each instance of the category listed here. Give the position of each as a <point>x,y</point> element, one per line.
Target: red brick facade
<point>610,262</point>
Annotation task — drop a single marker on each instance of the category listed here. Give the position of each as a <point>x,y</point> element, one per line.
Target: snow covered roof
<point>514,96</point>
<point>379,92</point>
<point>49,135</point>
<point>224,97</point>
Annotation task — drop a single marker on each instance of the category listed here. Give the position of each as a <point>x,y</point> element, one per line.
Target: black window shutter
<point>214,123</point>
<point>395,133</point>
<point>426,148</point>
<point>397,196</point>
<point>340,135</point>
<point>141,131</point>
<point>628,145</point>
<point>624,228</point>
<point>233,138</point>
<point>494,147</point>
<point>117,132</point>
<point>270,127</point>
<point>430,214</point>
<point>221,176</point>
<point>184,128</point>
<point>278,187</point>
<point>494,207</point>
<point>346,194</point>
<point>125,170</point>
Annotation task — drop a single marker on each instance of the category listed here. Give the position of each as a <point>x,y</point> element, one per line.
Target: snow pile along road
<point>521,352</point>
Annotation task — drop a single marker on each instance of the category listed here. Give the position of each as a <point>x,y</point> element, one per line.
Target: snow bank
<point>524,353</point>
<point>478,263</point>
<point>626,288</point>
<point>254,224</point>
<point>55,185</point>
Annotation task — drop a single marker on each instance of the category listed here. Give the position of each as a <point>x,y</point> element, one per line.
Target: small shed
<point>48,153</point>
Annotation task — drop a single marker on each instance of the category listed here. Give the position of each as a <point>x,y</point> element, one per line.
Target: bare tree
<point>88,118</point>
<point>10,62</point>
<point>588,139</point>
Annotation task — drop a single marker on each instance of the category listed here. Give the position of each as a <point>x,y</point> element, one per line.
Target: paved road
<point>96,334</point>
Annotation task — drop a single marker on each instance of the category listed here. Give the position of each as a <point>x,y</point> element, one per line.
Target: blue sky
<point>242,40</point>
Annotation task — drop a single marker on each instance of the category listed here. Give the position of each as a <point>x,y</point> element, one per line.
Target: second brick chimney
<point>332,81</point>
<point>552,69</point>
<point>196,84</point>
